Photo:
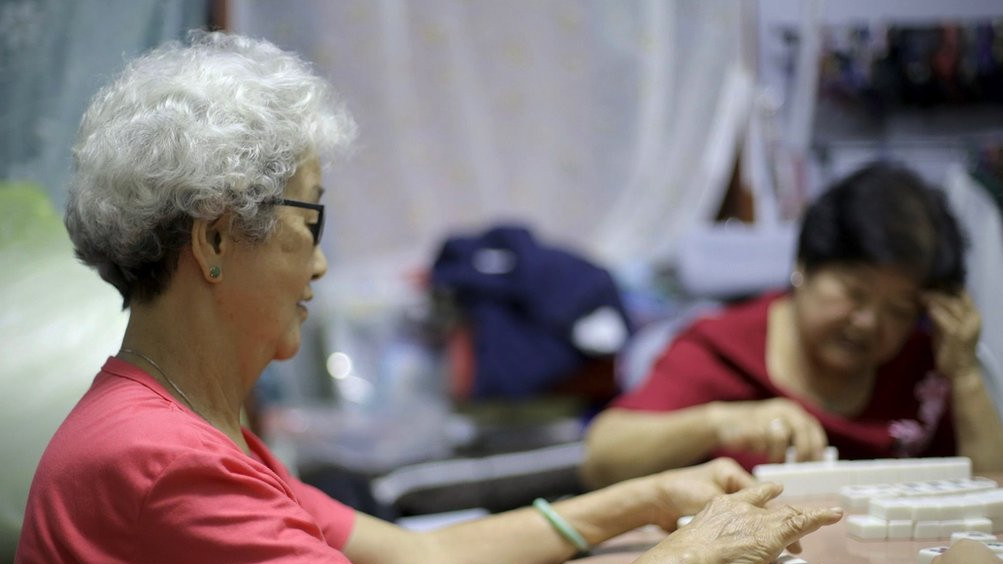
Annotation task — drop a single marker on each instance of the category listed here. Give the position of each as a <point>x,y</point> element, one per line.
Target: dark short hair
<point>885,215</point>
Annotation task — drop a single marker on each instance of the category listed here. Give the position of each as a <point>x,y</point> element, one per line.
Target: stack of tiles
<point>859,498</point>
<point>926,555</point>
<point>828,476</point>
<point>925,510</point>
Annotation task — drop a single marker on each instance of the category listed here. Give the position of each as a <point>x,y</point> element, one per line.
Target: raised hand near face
<point>956,328</point>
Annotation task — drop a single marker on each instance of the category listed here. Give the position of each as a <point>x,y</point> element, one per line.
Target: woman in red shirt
<point>197,194</point>
<point>872,350</point>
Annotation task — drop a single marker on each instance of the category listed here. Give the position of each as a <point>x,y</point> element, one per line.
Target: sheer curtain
<point>586,120</point>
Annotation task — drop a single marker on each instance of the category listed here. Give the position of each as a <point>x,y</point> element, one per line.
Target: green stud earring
<point>214,272</point>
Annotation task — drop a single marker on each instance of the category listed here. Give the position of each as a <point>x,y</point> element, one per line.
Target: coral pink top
<point>132,475</point>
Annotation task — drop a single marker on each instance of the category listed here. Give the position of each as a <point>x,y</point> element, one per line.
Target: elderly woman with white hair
<point>197,194</point>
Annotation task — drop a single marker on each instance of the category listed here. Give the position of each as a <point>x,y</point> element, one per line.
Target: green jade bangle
<point>560,525</point>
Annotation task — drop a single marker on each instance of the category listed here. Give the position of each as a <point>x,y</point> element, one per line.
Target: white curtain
<point>585,120</point>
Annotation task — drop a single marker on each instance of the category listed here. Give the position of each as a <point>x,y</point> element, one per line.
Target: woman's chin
<point>845,359</point>
<point>849,364</point>
<point>288,349</point>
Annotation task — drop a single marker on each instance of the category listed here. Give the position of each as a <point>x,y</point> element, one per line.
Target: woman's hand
<point>738,529</point>
<point>956,328</point>
<point>769,427</point>
<point>967,552</point>
<point>687,490</point>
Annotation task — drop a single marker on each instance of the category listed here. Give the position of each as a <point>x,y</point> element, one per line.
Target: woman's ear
<point>210,245</point>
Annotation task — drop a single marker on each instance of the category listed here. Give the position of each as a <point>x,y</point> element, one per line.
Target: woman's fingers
<point>793,426</point>
<point>778,438</point>
<point>957,326</point>
<point>952,313</point>
<point>730,476</point>
<point>770,427</point>
<point>738,528</point>
<point>799,522</point>
<point>809,439</point>
<point>759,494</point>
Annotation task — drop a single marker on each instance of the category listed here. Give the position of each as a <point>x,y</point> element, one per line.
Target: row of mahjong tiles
<point>829,475</point>
<point>924,510</point>
<point>920,499</point>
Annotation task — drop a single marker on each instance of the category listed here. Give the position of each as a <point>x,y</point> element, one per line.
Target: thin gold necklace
<point>183,395</point>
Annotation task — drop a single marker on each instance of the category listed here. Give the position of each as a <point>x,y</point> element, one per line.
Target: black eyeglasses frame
<point>317,228</point>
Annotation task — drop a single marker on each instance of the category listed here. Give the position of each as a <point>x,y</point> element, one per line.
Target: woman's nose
<point>865,318</point>
<point>319,262</point>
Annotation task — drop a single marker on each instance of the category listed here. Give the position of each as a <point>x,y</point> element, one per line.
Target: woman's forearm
<point>624,444</point>
<point>525,536</point>
<point>731,521</point>
<point>977,426</point>
<point>516,536</point>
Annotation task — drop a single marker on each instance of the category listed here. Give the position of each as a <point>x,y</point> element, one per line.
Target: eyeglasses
<point>317,228</point>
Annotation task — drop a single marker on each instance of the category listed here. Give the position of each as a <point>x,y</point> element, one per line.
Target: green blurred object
<point>27,215</point>
<point>58,323</point>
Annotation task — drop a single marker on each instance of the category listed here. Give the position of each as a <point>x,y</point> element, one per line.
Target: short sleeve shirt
<point>723,358</point>
<point>132,475</point>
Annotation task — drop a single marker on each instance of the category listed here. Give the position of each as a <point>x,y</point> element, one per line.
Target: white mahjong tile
<point>951,526</point>
<point>942,486</point>
<point>926,530</point>
<point>947,467</point>
<point>926,555</point>
<point>900,529</point>
<point>867,527</point>
<point>977,536</point>
<point>856,498</point>
<point>979,483</point>
<point>970,506</point>
<point>890,509</point>
<point>830,454</point>
<point>884,471</point>
<point>954,507</point>
<point>923,489</point>
<point>979,524</point>
<point>925,509</point>
<point>791,456</point>
<point>992,500</point>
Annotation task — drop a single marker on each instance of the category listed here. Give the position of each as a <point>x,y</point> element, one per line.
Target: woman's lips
<point>855,345</point>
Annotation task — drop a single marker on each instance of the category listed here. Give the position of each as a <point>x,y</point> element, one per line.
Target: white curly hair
<point>193,131</point>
